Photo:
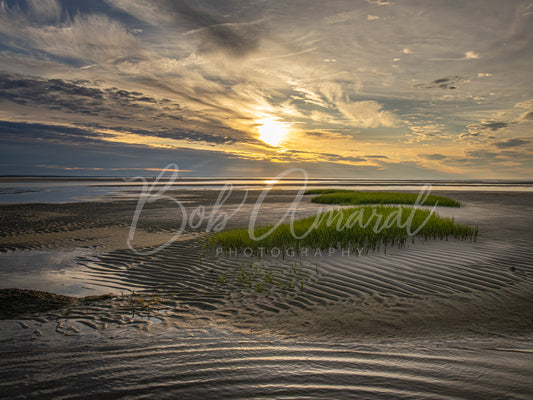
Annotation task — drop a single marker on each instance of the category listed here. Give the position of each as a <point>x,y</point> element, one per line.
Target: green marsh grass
<point>363,228</point>
<point>258,277</point>
<point>350,197</point>
<point>142,303</point>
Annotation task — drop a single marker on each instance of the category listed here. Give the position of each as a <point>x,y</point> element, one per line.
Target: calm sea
<point>60,190</point>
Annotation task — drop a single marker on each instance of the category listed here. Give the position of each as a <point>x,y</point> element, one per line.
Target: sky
<point>375,89</point>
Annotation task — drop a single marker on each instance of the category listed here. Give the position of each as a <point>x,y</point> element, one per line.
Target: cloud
<point>331,90</point>
<point>75,96</point>
<point>101,108</point>
<point>308,96</point>
<point>423,131</point>
<point>494,125</point>
<point>72,148</point>
<point>476,134</point>
<point>433,157</point>
<point>234,39</point>
<point>292,155</point>
<point>77,40</point>
<point>96,133</point>
<point>45,11</point>
<point>528,116</point>
<point>511,143</point>
<point>528,104</point>
<point>380,3</point>
<point>204,72</point>
<point>377,156</point>
<point>23,132</point>
<point>442,83</point>
<point>216,30</point>
<point>503,158</point>
<point>481,154</point>
<point>327,135</point>
<point>486,130</point>
<point>367,114</point>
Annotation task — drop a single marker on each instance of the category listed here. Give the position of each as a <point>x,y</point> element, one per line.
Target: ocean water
<point>60,190</point>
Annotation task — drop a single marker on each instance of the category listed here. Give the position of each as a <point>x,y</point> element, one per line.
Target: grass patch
<point>362,228</point>
<point>350,197</point>
<point>140,303</point>
<point>260,278</point>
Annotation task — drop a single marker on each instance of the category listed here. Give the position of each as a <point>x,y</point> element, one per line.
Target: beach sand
<point>435,319</point>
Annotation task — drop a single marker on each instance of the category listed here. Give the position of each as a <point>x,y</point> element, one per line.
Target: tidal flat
<point>431,319</point>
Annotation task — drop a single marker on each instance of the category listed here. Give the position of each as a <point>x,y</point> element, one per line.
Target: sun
<point>271,131</point>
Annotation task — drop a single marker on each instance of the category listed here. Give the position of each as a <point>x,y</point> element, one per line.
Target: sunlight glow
<point>271,131</point>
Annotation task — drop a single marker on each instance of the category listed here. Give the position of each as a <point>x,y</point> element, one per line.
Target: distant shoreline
<point>366,181</point>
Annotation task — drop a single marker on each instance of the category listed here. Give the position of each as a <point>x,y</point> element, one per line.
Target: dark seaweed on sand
<point>19,302</point>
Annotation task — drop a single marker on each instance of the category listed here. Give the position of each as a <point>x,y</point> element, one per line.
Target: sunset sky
<point>362,89</point>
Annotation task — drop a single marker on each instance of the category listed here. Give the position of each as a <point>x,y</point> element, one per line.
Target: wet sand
<point>436,319</point>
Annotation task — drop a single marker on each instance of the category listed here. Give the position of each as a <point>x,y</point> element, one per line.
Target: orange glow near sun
<point>271,131</point>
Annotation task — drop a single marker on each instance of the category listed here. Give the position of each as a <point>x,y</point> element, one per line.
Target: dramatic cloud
<point>367,114</point>
<point>11,132</point>
<point>370,86</point>
<point>78,40</point>
<point>511,143</point>
<point>95,105</point>
<point>76,96</point>
<point>434,157</point>
<point>494,125</point>
<point>216,32</point>
<point>442,83</point>
<point>486,130</point>
<point>213,23</point>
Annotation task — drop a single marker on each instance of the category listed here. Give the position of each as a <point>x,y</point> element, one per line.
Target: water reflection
<point>53,271</point>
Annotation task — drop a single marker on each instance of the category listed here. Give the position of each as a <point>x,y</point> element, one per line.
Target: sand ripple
<point>222,365</point>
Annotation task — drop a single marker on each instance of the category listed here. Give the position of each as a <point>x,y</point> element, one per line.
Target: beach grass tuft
<point>364,228</point>
<point>350,197</point>
<point>259,277</point>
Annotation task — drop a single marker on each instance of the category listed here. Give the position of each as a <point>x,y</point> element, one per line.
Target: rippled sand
<point>437,319</point>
